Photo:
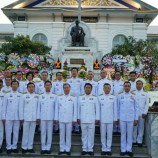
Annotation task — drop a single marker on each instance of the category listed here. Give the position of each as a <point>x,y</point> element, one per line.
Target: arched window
<point>118,40</point>
<point>40,37</point>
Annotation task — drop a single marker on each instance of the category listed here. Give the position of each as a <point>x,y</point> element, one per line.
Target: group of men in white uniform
<point>110,104</point>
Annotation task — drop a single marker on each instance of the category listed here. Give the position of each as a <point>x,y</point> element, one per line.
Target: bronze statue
<point>77,34</point>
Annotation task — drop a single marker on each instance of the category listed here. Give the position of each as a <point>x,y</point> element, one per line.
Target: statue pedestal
<point>77,55</point>
<point>151,134</point>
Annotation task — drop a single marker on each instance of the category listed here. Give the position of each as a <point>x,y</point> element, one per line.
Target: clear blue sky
<point>4,19</point>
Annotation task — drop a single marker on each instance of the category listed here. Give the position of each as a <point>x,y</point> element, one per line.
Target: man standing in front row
<point>142,98</point>
<point>10,114</point>
<point>66,115</point>
<point>88,115</point>
<point>28,116</point>
<point>108,116</point>
<point>128,117</point>
<point>46,112</point>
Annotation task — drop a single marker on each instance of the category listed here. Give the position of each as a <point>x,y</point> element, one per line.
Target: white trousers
<point>28,134</point>
<point>138,131</point>
<point>88,131</point>
<point>106,136</point>
<point>65,131</point>
<point>12,126</point>
<point>1,133</point>
<point>126,135</point>
<point>46,134</point>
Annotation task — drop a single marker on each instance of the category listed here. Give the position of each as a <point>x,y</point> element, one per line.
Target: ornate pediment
<point>85,3</point>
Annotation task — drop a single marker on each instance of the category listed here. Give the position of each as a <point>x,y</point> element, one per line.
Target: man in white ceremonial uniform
<point>57,88</point>
<point>128,118</point>
<point>102,81</point>
<point>66,115</point>
<point>76,86</point>
<point>88,115</point>
<point>28,116</point>
<point>7,73</point>
<point>7,87</point>
<point>19,76</point>
<point>10,115</point>
<point>39,86</point>
<point>45,113</point>
<point>29,78</point>
<point>90,80</point>
<point>117,88</point>
<point>1,122</point>
<point>133,77</point>
<point>108,117</point>
<point>142,98</point>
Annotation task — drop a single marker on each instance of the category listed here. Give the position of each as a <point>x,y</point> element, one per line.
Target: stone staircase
<point>139,152</point>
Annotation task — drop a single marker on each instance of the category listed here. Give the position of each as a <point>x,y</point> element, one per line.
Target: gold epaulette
<point>120,92</point>
<point>72,95</point>
<point>60,95</point>
<point>53,93</point>
<point>93,95</point>
<point>132,92</point>
<point>5,91</point>
<point>37,93</point>
<point>41,93</point>
<point>100,94</point>
<point>81,94</point>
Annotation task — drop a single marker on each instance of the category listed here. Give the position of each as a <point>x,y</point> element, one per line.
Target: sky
<point>5,20</point>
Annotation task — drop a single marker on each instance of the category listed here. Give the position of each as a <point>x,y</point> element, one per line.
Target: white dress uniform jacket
<point>94,86</point>
<point>108,108</point>
<point>101,85</point>
<point>58,87</point>
<point>118,86</point>
<point>11,106</point>
<point>88,109</point>
<point>6,89</point>
<point>46,106</point>
<point>127,107</point>
<point>133,85</point>
<point>1,123</point>
<point>28,107</point>
<point>76,86</point>
<point>66,108</point>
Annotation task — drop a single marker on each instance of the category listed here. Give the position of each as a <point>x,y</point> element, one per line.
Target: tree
<point>23,45</point>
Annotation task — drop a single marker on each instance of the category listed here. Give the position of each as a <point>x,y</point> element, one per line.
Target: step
<point>73,155</point>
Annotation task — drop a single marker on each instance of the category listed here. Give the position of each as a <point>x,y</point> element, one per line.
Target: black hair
<point>88,84</point>
<point>47,82</point>
<point>127,82</point>
<point>14,81</point>
<point>59,73</point>
<point>74,68</point>
<point>45,72</point>
<point>107,84</point>
<point>30,73</point>
<point>1,81</point>
<point>139,81</point>
<point>30,83</point>
<point>133,72</point>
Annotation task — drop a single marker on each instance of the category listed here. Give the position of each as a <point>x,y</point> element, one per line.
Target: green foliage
<point>139,47</point>
<point>82,74</point>
<point>23,45</point>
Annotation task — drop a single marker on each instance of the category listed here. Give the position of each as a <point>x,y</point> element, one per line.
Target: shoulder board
<point>60,94</point>
<point>54,80</point>
<point>120,92</point>
<point>100,94</point>
<point>72,95</point>
<point>81,94</point>
<point>133,92</point>
<point>93,95</point>
<point>36,93</point>
<point>5,91</point>
<point>41,93</point>
<point>53,93</point>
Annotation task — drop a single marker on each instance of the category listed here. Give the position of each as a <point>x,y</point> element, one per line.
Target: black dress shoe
<point>68,153</point>
<point>61,153</point>
<point>108,153</point>
<point>24,151</point>
<point>83,153</point>
<point>91,153</point>
<point>43,152</point>
<point>103,153</point>
<point>130,153</point>
<point>135,144</point>
<point>140,145</point>
<point>48,151</point>
<point>15,151</point>
<point>9,151</point>
<point>31,151</point>
<point>122,153</point>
